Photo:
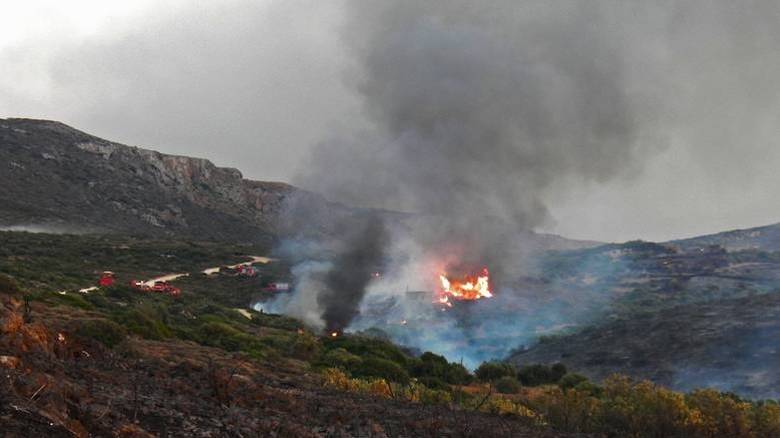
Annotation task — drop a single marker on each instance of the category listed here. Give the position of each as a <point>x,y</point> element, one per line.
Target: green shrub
<point>73,300</point>
<point>491,371</point>
<point>558,370</point>
<point>124,293</point>
<point>382,368</point>
<point>305,347</point>
<point>507,385</point>
<point>104,331</point>
<point>435,397</point>
<point>275,321</point>
<point>144,322</point>
<point>572,380</point>
<point>219,334</point>
<point>457,374</point>
<point>435,366</point>
<point>535,375</point>
<point>341,358</point>
<point>367,347</point>
<point>434,383</point>
<point>277,342</point>
<point>98,300</point>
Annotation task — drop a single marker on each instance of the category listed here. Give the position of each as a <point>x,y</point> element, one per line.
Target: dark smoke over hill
<point>476,110</point>
<point>345,284</point>
<point>477,113</point>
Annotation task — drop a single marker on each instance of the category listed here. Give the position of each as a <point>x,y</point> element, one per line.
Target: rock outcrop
<point>54,177</point>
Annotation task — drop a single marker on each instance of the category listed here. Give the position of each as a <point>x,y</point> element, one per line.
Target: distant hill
<point>703,312</point>
<point>56,178</point>
<point>765,238</point>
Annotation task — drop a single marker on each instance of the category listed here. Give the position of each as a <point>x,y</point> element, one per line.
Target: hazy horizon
<point>259,85</point>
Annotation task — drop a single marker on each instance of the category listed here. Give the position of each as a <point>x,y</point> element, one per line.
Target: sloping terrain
<point>765,238</point>
<point>121,362</point>
<point>59,384</point>
<point>55,178</point>
<point>58,178</point>
<point>684,316</point>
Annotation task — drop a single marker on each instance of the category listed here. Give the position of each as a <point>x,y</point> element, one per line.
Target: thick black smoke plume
<point>360,256</point>
<point>476,111</point>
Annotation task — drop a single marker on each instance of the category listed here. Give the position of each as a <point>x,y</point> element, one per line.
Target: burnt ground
<point>55,384</point>
<point>730,345</point>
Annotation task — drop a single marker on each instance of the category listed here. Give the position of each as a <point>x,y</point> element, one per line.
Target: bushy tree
<point>104,331</point>
<point>382,368</point>
<point>341,358</point>
<point>433,366</point>
<point>492,371</point>
<point>558,370</point>
<point>305,347</point>
<point>434,383</point>
<point>723,414</point>
<point>538,374</point>
<point>571,380</point>
<point>507,385</point>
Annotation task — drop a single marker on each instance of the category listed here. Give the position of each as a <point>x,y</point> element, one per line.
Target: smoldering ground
<point>477,113</point>
<point>332,271</point>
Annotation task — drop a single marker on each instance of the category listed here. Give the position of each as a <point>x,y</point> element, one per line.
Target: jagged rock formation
<point>55,177</point>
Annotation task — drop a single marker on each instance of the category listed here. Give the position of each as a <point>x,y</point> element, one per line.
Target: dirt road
<point>172,277</point>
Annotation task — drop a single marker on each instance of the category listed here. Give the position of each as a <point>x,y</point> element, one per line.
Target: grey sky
<point>257,85</point>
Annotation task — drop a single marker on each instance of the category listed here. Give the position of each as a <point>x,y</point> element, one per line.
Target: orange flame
<point>471,288</point>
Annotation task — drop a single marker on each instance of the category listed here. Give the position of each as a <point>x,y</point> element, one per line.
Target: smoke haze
<point>476,110</point>
<point>255,84</point>
<point>476,116</point>
<point>360,256</point>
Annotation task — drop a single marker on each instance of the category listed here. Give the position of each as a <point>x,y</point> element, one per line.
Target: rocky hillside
<point>679,314</point>
<point>55,178</point>
<point>764,238</point>
<point>58,178</point>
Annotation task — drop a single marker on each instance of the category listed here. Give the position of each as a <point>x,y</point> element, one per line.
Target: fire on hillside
<point>468,288</point>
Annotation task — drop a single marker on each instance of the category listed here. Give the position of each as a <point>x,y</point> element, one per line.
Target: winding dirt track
<point>209,271</point>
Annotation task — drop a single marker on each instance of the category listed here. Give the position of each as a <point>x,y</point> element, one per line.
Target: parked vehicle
<point>277,287</point>
<point>166,288</point>
<point>107,279</point>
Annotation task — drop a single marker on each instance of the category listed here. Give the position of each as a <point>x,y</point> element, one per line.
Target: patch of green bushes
<point>104,331</point>
<point>305,347</point>
<point>221,335</point>
<point>434,366</point>
<point>71,299</point>
<point>538,374</point>
<point>368,347</point>
<point>381,368</point>
<point>492,371</point>
<point>340,358</point>
<point>434,383</point>
<point>507,385</point>
<point>144,321</point>
<point>572,380</point>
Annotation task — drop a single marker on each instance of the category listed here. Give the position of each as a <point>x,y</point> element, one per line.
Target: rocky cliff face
<point>55,177</point>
